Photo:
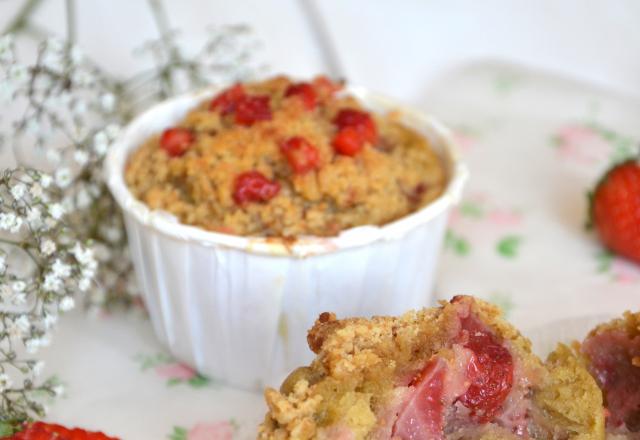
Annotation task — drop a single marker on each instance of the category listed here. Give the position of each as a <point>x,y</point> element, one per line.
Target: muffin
<point>280,158</point>
<point>237,307</point>
<point>453,372</point>
<point>612,351</point>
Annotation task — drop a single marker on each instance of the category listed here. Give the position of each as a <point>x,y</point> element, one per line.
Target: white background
<point>397,47</point>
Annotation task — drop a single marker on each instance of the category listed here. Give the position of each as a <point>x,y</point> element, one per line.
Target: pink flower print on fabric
<point>625,272</point>
<point>505,218</point>
<point>464,140</point>
<point>176,371</point>
<point>582,145</point>
<point>222,430</point>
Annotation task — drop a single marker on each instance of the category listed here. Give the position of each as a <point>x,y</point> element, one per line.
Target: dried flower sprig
<point>61,220</point>
<point>42,266</point>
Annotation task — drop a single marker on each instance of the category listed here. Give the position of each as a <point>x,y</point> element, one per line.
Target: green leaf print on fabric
<point>506,82</point>
<point>605,260</point>
<point>179,433</point>
<point>458,244</point>
<point>469,208</point>
<point>509,246</point>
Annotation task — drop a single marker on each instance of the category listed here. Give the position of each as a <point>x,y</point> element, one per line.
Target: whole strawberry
<point>615,209</point>
<point>50,431</point>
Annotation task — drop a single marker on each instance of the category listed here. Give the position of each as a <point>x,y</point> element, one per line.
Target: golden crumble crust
<point>383,182</point>
<point>359,359</point>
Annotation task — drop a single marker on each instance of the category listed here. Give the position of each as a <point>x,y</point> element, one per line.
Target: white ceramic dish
<point>238,308</point>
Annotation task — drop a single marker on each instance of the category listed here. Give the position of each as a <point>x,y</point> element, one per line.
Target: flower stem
<point>71,21</point>
<point>21,20</point>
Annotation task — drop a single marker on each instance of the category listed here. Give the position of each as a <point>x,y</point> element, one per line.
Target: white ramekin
<point>238,308</point>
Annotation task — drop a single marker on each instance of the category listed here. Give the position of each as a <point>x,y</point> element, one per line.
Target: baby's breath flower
<point>34,216</point>
<point>47,247</point>
<point>63,177</point>
<point>49,320</point>
<point>81,157</point>
<point>7,220</point>
<point>17,224</point>
<point>100,143</point>
<point>84,255</point>
<point>45,180</point>
<point>60,269</point>
<point>67,303</point>
<point>18,327</point>
<point>76,55</point>
<point>32,345</point>
<point>108,102</point>
<point>18,73</point>
<point>5,382</point>
<point>18,190</point>
<point>18,286</point>
<point>36,191</point>
<point>58,390</point>
<point>56,211</point>
<point>84,284</point>
<point>52,282</point>
<point>70,111</point>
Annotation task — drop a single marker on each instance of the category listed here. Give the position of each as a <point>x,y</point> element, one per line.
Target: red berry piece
<point>362,121</point>
<point>176,141</point>
<point>226,101</point>
<point>305,92</point>
<point>301,155</point>
<point>49,431</point>
<point>423,415</point>
<point>348,141</point>
<point>613,356</point>
<point>615,209</point>
<point>253,186</point>
<point>490,372</point>
<point>251,109</point>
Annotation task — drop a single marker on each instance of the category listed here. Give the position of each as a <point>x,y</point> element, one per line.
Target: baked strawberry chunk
<point>423,415</point>
<point>49,431</point>
<point>361,121</point>
<point>305,92</point>
<point>253,186</point>
<point>355,129</point>
<point>176,141</point>
<point>490,372</point>
<point>301,154</point>
<point>348,141</point>
<point>614,361</point>
<point>227,101</point>
<point>252,109</point>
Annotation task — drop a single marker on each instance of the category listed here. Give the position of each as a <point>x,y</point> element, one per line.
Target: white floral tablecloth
<point>534,143</point>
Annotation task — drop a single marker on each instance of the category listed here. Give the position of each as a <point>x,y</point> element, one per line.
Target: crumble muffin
<point>285,159</point>
<point>453,372</point>
<point>613,354</point>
